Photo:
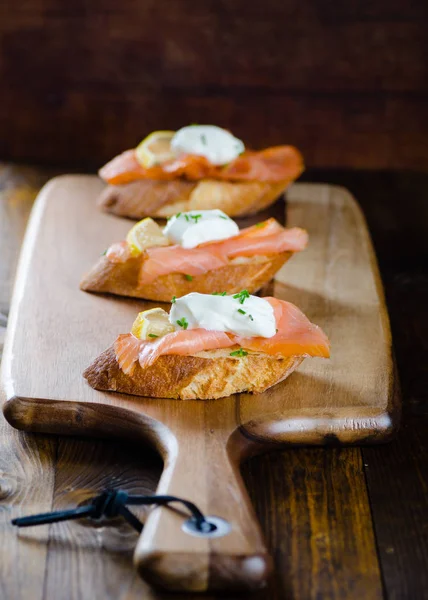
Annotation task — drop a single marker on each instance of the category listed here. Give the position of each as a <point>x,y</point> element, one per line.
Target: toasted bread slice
<point>250,273</point>
<point>206,375</point>
<point>162,199</point>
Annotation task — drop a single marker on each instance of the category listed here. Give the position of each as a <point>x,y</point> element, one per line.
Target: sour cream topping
<point>241,314</point>
<point>216,144</point>
<point>189,229</point>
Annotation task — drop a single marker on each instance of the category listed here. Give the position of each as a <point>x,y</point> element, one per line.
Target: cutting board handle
<point>200,468</point>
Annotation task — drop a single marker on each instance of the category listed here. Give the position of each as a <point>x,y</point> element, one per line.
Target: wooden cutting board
<point>56,330</point>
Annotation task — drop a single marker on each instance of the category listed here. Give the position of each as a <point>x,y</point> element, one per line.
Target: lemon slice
<point>155,149</point>
<point>151,324</point>
<point>145,234</point>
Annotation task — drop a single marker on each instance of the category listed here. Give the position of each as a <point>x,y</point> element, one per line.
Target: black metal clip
<point>112,503</point>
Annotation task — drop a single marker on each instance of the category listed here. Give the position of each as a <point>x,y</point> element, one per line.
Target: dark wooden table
<point>341,523</point>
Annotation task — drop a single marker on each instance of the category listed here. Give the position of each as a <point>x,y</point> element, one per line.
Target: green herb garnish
<point>204,139</point>
<point>173,299</point>
<point>251,317</point>
<point>189,277</point>
<point>196,217</point>
<point>219,294</point>
<point>241,311</point>
<point>177,215</point>
<point>153,335</point>
<point>183,323</point>
<point>105,252</point>
<point>226,218</point>
<point>240,352</point>
<point>262,224</point>
<point>186,217</point>
<point>242,296</point>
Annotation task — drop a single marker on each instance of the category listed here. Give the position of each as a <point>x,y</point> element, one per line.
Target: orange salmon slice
<point>274,165</point>
<point>267,238</point>
<point>296,336</point>
<point>129,349</point>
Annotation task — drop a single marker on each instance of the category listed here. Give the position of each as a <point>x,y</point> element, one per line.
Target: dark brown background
<point>345,81</point>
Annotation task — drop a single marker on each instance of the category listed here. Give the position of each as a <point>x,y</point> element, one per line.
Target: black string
<point>112,503</point>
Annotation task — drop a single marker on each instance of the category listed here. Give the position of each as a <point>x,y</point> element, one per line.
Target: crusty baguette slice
<point>149,198</point>
<point>207,375</point>
<point>241,273</point>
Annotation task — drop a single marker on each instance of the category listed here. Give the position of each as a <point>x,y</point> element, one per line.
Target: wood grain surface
<point>335,282</point>
<point>345,82</point>
<point>332,533</point>
<point>347,399</point>
<point>401,243</point>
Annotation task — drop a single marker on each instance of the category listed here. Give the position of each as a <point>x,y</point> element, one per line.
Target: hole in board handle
<point>217,527</point>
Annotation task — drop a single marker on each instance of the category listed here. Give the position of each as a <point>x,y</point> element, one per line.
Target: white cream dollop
<point>216,144</point>
<point>254,317</point>
<point>190,229</point>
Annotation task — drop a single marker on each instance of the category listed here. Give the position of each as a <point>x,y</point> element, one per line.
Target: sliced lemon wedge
<point>145,234</point>
<point>155,149</point>
<point>151,324</point>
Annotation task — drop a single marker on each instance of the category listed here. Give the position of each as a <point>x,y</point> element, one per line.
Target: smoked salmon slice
<point>183,343</point>
<point>175,259</point>
<point>266,239</point>
<point>268,227</point>
<point>127,348</point>
<point>119,252</point>
<point>130,349</point>
<point>292,240</point>
<point>274,165</point>
<point>296,336</point>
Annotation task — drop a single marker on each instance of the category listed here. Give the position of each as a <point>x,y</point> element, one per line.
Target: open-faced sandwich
<point>209,346</point>
<point>199,167</point>
<point>196,252</point>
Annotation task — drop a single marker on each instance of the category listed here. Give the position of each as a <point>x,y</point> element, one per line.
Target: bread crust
<point>123,278</point>
<point>207,375</point>
<point>162,199</point>
<point>145,198</point>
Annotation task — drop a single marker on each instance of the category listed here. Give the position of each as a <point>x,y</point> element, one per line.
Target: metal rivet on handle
<point>215,527</point>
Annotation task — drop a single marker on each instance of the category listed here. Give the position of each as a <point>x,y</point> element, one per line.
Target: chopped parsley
<point>204,139</point>
<point>222,217</point>
<point>261,224</point>
<point>153,335</point>
<point>189,277</point>
<point>240,352</point>
<point>182,323</point>
<point>219,294</point>
<point>173,299</point>
<point>196,217</point>
<point>105,252</point>
<point>242,296</point>
<point>178,215</point>
<point>186,216</point>
<point>251,317</point>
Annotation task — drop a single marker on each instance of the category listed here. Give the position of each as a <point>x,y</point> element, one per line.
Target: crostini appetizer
<point>199,167</point>
<point>207,347</point>
<point>196,252</point>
